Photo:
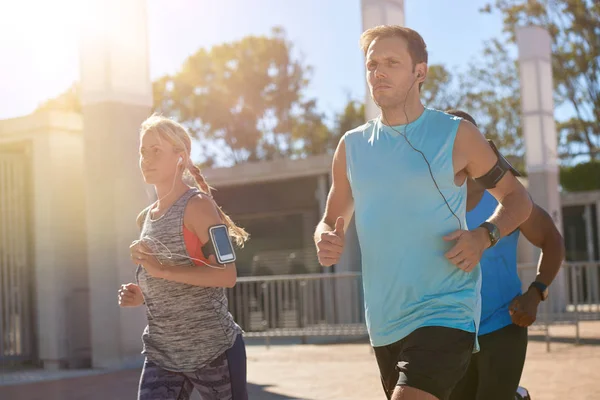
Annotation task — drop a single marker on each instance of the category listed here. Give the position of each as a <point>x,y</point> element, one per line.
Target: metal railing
<point>573,298</point>
<point>332,304</point>
<point>583,289</point>
<point>324,305</point>
<point>16,318</point>
<point>299,305</point>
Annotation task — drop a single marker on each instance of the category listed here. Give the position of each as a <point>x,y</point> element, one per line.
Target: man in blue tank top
<point>494,372</point>
<point>403,176</point>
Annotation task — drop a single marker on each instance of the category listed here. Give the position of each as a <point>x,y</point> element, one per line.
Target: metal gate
<point>16,273</point>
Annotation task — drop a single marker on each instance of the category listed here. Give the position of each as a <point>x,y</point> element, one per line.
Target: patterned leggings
<point>222,379</point>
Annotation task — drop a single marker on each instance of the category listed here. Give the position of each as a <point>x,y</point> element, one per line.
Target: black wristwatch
<point>541,289</point>
<point>493,232</point>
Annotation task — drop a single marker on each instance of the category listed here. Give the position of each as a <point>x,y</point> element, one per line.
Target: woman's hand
<point>141,255</point>
<point>130,295</point>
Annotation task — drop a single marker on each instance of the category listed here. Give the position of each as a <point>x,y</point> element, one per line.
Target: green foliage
<point>439,90</point>
<point>489,89</point>
<point>574,26</point>
<point>243,98</point>
<point>244,101</point>
<point>352,117</point>
<point>66,101</point>
<point>581,177</point>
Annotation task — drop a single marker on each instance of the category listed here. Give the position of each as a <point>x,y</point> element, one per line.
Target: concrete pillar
<point>50,276</point>
<point>535,67</point>
<point>49,221</point>
<point>116,97</point>
<point>374,13</point>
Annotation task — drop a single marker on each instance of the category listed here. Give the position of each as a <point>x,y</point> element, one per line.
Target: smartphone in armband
<point>219,244</point>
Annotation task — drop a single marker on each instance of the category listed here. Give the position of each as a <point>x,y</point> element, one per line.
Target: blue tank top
<point>500,280</point>
<point>401,220</point>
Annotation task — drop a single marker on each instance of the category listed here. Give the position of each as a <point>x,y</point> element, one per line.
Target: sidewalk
<point>349,371</point>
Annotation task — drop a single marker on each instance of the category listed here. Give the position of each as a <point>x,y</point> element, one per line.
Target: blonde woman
<point>191,341</point>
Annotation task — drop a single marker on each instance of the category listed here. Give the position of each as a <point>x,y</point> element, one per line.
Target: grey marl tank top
<point>188,326</point>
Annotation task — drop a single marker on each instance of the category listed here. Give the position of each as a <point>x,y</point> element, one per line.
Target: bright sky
<point>38,40</point>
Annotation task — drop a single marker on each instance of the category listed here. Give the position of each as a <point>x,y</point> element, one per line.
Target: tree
<point>493,98</point>
<point>243,98</point>
<point>310,133</point>
<point>351,117</point>
<point>581,177</point>
<point>243,101</point>
<point>487,90</point>
<point>66,101</point>
<point>313,134</point>
<point>574,26</point>
<point>440,90</point>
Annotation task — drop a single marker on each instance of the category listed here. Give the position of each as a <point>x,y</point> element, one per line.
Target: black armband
<point>502,166</point>
<point>208,249</point>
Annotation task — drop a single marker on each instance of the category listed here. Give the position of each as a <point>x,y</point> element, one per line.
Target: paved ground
<point>348,371</point>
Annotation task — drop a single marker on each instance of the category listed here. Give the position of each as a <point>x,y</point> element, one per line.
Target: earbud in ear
<point>180,160</point>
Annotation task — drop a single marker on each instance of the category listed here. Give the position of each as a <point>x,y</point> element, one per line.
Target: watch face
<point>495,233</point>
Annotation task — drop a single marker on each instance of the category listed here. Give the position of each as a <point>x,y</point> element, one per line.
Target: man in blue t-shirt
<point>495,371</point>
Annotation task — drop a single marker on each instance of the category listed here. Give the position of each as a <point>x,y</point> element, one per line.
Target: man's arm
<point>340,202</point>
<point>329,234</point>
<point>478,158</point>
<point>540,230</point>
<point>473,156</point>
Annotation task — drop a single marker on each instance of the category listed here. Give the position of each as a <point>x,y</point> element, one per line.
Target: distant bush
<point>581,177</point>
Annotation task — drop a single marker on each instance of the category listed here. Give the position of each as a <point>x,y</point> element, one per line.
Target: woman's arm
<point>200,214</point>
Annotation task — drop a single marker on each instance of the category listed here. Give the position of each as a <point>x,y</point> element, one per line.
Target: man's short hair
<point>416,45</point>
